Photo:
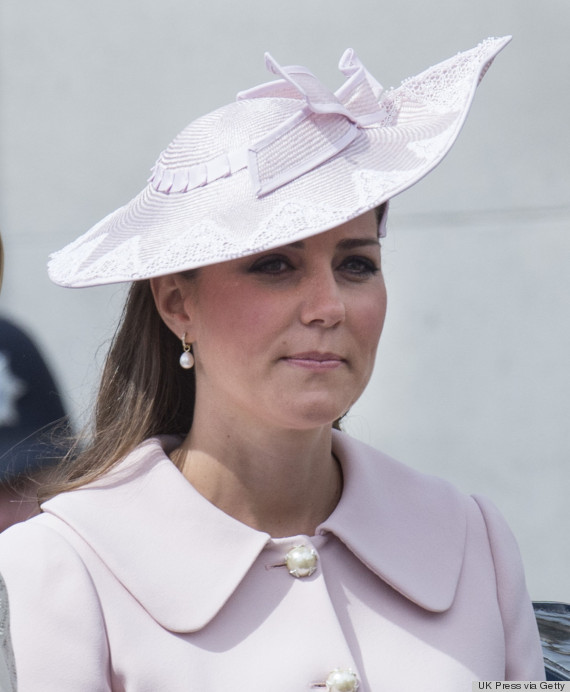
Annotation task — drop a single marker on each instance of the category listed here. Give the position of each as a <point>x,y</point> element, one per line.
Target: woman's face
<point>288,337</point>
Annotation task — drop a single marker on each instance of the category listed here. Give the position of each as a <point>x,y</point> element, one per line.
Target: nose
<point>322,300</point>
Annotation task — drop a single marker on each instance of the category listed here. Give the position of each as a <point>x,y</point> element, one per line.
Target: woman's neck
<point>282,482</point>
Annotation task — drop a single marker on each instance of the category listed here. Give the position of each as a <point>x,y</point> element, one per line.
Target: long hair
<point>143,392</point>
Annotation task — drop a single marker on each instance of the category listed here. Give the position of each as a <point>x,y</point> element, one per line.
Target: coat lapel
<point>182,558</point>
<point>407,527</point>
<point>175,552</point>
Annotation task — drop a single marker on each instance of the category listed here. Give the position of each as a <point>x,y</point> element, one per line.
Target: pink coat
<point>138,583</point>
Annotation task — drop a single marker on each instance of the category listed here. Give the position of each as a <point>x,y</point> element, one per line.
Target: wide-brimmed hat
<point>289,159</point>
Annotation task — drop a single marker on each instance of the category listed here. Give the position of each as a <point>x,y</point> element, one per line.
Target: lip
<point>315,360</point>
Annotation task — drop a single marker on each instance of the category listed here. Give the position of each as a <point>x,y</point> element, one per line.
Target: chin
<point>307,410</point>
<point>311,416</point>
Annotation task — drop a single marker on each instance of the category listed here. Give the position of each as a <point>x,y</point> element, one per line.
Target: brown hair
<point>143,392</point>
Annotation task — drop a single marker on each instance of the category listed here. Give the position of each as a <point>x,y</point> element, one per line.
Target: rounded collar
<point>163,540</point>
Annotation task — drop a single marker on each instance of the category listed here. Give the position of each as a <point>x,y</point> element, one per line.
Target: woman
<point>218,533</point>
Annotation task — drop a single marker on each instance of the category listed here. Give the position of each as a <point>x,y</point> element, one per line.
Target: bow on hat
<point>325,124</point>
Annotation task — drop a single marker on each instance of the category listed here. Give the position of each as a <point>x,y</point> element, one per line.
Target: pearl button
<point>301,561</point>
<point>342,681</point>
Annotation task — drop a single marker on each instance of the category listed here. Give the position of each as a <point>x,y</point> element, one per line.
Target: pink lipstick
<point>315,360</point>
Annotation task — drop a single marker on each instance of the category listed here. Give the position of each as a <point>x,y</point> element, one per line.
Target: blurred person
<point>32,418</point>
<point>220,531</point>
<point>7,661</point>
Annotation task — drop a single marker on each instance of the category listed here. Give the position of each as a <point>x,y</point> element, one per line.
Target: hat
<point>30,407</point>
<point>287,160</point>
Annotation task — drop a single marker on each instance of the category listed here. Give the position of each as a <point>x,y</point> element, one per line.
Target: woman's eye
<point>361,267</point>
<point>270,265</point>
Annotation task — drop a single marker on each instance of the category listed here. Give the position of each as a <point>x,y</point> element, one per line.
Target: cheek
<point>370,319</point>
<point>232,318</point>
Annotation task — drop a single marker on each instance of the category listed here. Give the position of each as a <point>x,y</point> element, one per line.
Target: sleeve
<point>523,652</point>
<point>57,627</point>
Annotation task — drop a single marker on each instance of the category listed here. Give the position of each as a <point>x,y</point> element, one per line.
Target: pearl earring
<point>186,359</point>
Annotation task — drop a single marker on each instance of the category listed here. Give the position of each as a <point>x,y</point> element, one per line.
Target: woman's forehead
<point>360,231</point>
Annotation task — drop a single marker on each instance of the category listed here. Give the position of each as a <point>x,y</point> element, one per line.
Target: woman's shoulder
<point>36,547</point>
<point>408,525</point>
<point>383,487</point>
<point>54,539</point>
<point>55,614</point>
<point>375,477</point>
<point>375,471</point>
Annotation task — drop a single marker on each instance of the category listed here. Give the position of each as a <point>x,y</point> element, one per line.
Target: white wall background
<point>473,377</point>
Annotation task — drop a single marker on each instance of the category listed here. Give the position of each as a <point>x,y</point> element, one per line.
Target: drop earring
<point>186,359</point>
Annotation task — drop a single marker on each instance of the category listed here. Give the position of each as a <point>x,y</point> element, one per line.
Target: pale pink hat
<point>287,160</point>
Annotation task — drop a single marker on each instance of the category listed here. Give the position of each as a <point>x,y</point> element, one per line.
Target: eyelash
<point>266,265</point>
<point>367,266</point>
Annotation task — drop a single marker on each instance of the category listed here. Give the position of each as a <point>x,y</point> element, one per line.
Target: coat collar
<point>160,537</point>
<point>407,527</point>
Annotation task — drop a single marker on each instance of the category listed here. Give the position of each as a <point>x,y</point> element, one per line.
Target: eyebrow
<point>350,243</point>
<point>345,244</point>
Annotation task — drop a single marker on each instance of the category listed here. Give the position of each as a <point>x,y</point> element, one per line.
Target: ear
<point>172,297</point>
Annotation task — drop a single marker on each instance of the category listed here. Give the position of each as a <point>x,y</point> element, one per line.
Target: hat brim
<point>158,233</point>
